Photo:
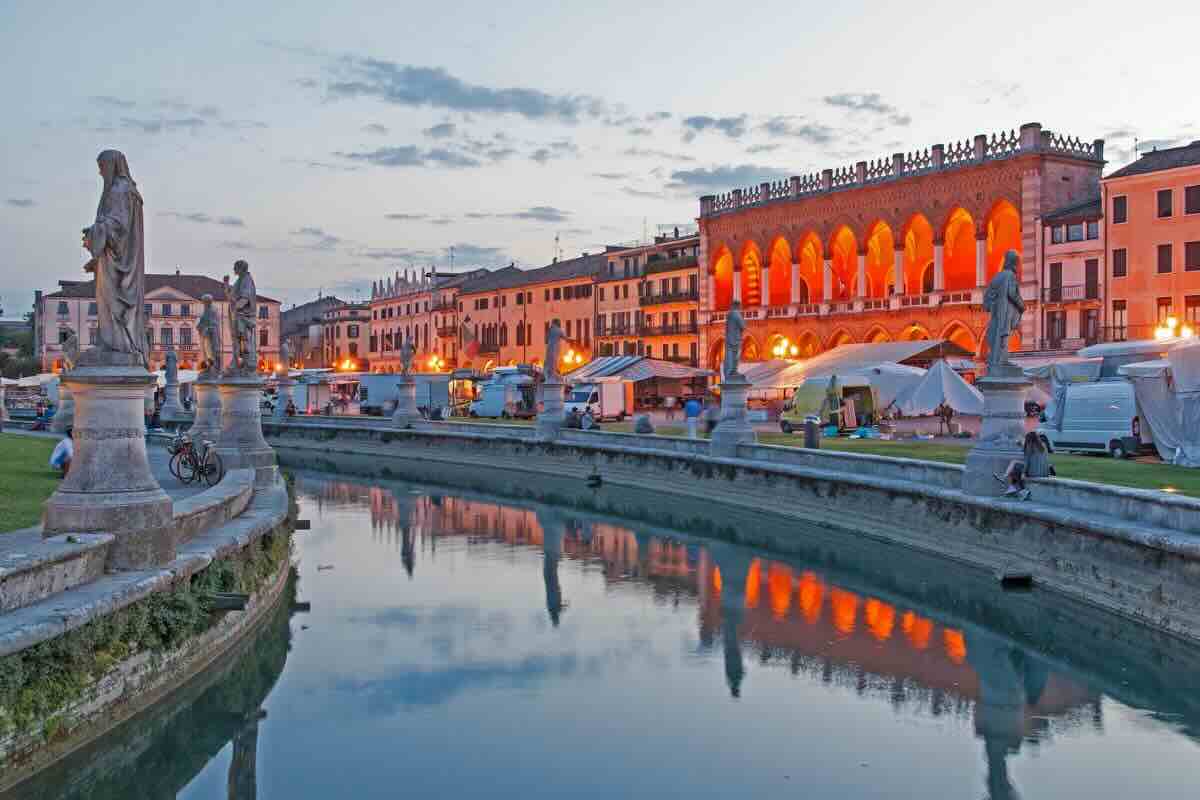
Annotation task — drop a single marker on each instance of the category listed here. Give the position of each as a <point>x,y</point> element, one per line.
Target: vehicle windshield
<point>579,397</point>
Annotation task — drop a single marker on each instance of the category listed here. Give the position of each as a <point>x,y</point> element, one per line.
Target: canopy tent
<point>633,368</point>
<point>1168,398</point>
<point>1052,377</point>
<point>941,385</point>
<point>185,376</point>
<point>1117,354</point>
<point>38,380</point>
<point>850,356</point>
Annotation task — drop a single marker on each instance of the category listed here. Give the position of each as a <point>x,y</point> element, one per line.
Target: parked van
<point>608,399</point>
<point>1097,417</point>
<point>510,393</point>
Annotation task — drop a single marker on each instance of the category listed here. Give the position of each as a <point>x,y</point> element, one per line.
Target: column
<point>765,289</point>
<point>980,260</point>
<point>828,283</point>
<point>711,292</point>
<point>939,267</point>
<point>795,296</point>
<point>862,276</point>
<point>898,272</point>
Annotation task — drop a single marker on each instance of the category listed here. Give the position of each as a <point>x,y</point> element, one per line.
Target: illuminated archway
<point>750,351</point>
<point>780,263</point>
<point>809,344</point>
<point>958,257</point>
<point>961,335</point>
<point>809,260</point>
<point>489,366</point>
<point>839,338</point>
<point>918,255</point>
<point>780,345</point>
<point>716,355</point>
<point>881,260</point>
<point>877,334</point>
<point>1003,234</point>
<point>751,275</point>
<point>914,333</point>
<point>843,252</point>
<point>722,275</point>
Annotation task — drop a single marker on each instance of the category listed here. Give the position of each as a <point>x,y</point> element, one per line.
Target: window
<point>1120,211</point>
<point>483,304</point>
<point>520,298</point>
<point>166,337</point>
<point>1191,310</point>
<point>62,308</point>
<point>263,339</point>
<point>601,295</point>
<point>92,333</point>
<point>1165,309</point>
<point>185,310</point>
<point>547,296</point>
<point>1056,234</point>
<point>92,309</point>
<point>1120,263</point>
<point>1118,316</point>
<point>63,335</point>
<point>353,349</point>
<point>1191,256</point>
<point>568,329</point>
<point>1093,230</point>
<point>557,293</point>
<point>1191,200</point>
<point>568,292</point>
<point>264,311</point>
<point>149,335</point>
<point>1165,258</point>
<point>185,336</point>
<point>1075,232</point>
<point>337,331</point>
<point>166,309</point>
<point>352,331</point>
<point>1165,203</point>
<point>146,310</point>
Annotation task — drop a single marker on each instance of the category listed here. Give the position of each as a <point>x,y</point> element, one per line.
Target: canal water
<point>459,645</point>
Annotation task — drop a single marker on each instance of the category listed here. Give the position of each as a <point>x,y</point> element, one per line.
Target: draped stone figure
<point>209,328</point>
<point>1003,302</point>
<point>70,351</point>
<point>172,369</point>
<point>116,242</point>
<point>285,356</point>
<point>735,328</point>
<point>553,345</point>
<point>243,313</point>
<point>407,352</point>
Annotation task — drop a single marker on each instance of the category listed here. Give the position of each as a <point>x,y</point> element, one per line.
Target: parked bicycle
<point>191,462</point>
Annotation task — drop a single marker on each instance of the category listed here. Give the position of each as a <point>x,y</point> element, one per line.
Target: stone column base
<point>550,420</point>
<point>110,487</point>
<point>171,411</point>
<point>207,424</point>
<point>1002,432</point>
<point>283,396</point>
<point>406,404</point>
<point>734,428</point>
<point>64,417</point>
<point>241,444</point>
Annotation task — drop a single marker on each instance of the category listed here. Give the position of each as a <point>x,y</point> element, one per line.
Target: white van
<point>510,393</point>
<point>1097,417</point>
<point>608,399</point>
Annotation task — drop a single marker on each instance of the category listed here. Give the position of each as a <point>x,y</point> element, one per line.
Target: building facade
<point>302,327</point>
<point>346,333</point>
<point>1152,236</point>
<point>422,308</point>
<point>173,307</point>
<point>900,248</point>
<point>1071,269</point>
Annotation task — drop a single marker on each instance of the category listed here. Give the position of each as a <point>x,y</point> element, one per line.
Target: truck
<point>378,392</point>
<point>607,398</point>
<point>511,393</point>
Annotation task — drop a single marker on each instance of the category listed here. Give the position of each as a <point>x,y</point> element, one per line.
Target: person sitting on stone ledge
<point>63,453</point>
<point>1037,458</point>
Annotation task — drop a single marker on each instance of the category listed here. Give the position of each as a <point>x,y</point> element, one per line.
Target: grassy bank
<point>26,479</point>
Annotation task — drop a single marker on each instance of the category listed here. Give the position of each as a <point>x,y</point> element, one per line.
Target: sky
<point>331,144</point>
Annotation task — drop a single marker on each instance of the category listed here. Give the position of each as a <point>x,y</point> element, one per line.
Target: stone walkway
<point>159,461</point>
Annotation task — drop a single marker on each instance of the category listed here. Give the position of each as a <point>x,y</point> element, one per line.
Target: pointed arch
<point>751,267</point>
<point>779,261</point>
<point>958,258</point>
<point>917,239</point>
<point>809,344</point>
<point>881,260</point>
<point>838,338</point>
<point>877,334</point>
<point>961,335</point>
<point>722,277</point>
<point>843,253</point>
<point>811,264</point>
<point>1003,228</point>
<point>716,355</point>
<point>750,349</point>
<point>914,333</point>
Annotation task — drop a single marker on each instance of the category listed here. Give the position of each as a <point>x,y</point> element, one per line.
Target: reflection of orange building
<point>888,250</point>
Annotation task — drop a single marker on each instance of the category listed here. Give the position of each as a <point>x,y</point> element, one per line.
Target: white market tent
<point>941,384</point>
<point>185,376</point>
<point>1168,398</point>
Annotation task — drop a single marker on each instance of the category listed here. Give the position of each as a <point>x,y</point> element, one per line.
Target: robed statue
<point>70,351</point>
<point>209,328</point>
<point>735,328</point>
<point>116,243</point>
<point>407,352</point>
<point>242,302</point>
<point>172,368</point>
<point>1003,302</point>
<point>285,356</point>
<point>554,339</point>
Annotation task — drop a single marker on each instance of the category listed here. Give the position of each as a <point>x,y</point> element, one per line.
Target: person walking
<point>691,413</point>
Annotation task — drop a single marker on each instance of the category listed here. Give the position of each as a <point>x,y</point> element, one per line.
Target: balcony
<point>1070,294</point>
<point>444,307</point>
<point>447,332</point>
<point>490,348</point>
<point>682,329</point>
<point>684,296</point>
<point>656,265</point>
<point>616,330</point>
<point>687,361</point>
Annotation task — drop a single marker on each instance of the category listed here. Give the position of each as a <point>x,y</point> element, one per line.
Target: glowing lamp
<point>1172,323</point>
<point>1163,333</point>
<point>1186,332</point>
<point>793,351</point>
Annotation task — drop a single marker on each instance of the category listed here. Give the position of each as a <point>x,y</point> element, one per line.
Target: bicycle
<point>189,463</point>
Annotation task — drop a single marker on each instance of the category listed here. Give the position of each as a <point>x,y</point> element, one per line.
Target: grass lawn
<point>25,479</point>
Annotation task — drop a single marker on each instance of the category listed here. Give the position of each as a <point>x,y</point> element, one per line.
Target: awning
<point>781,374</point>
<point>633,368</point>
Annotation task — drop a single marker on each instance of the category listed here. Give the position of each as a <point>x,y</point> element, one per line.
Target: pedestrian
<point>291,408</point>
<point>64,453</point>
<point>669,405</point>
<point>1037,458</point>
<point>712,415</point>
<point>947,417</point>
<point>691,412</point>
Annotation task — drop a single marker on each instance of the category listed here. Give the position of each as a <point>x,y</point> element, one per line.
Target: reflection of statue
<point>735,327</point>
<point>115,241</point>
<point>209,328</point>
<point>553,344</point>
<point>70,351</point>
<point>243,313</point>
<point>407,351</point>
<point>1003,302</point>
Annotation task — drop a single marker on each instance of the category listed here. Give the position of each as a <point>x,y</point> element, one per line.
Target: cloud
<point>633,192</point>
<point>406,217</point>
<point>442,221</point>
<point>641,152</point>
<point>733,127</point>
<point>867,103</point>
<point>201,218</point>
<point>317,238</point>
<point>640,131</point>
<point>442,130</point>
<point>542,214</point>
<point>723,178</point>
<point>611,176</point>
<point>658,116</point>
<point>240,244</point>
<point>554,150</point>
<point>375,128</point>
<point>108,101</point>
<point>21,202</point>
<point>762,148</point>
<point>163,125</point>
<point>795,128</point>
<point>394,254</point>
<point>476,254</point>
<point>412,156</point>
<point>434,87</point>
<point>322,165</point>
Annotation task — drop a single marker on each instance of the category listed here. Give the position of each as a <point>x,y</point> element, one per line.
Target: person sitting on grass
<point>63,453</point>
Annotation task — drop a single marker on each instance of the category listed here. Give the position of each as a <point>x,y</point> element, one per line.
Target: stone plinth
<point>240,443</point>
<point>734,427</point>
<point>207,402</point>
<point>171,411</point>
<point>110,487</point>
<point>550,419</point>
<point>406,403</point>
<point>64,416</point>
<point>1002,432</point>
<point>283,396</point>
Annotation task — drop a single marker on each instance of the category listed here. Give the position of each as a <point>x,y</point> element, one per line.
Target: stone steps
<point>33,569</point>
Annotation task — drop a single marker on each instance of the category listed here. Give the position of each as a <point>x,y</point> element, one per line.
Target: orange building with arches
<point>896,249</point>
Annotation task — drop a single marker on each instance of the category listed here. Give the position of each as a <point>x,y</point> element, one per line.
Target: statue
<point>209,328</point>
<point>116,243</point>
<point>285,356</point>
<point>172,368</point>
<point>1003,302</point>
<point>70,351</point>
<point>407,351</point>
<point>735,327</point>
<point>553,343</point>
<point>243,313</point>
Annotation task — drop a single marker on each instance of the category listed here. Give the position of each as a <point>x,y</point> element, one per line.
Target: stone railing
<point>1030,139</point>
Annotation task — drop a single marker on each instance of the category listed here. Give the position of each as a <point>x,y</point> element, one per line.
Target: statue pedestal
<point>406,403</point>
<point>734,428</point>
<point>171,410</point>
<point>110,487</point>
<point>283,396</point>
<point>240,443</point>
<point>207,424</point>
<point>550,420</point>
<point>1003,431</point>
<point>64,417</point>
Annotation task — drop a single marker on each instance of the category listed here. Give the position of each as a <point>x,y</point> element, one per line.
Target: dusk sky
<point>333,143</point>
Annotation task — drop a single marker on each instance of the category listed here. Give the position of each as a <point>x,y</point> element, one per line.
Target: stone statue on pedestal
<point>1003,302</point>
<point>70,351</point>
<point>243,318</point>
<point>735,328</point>
<point>407,352</point>
<point>172,368</point>
<point>285,356</point>
<point>553,344</point>
<point>116,242</point>
<point>209,328</point>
